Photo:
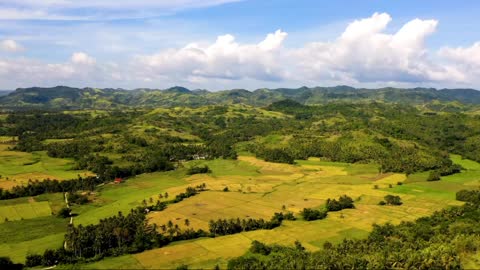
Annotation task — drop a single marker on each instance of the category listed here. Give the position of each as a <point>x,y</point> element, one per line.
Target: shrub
<point>433,176</point>
<point>472,196</point>
<point>312,214</point>
<point>260,248</point>
<point>64,212</point>
<point>289,216</point>
<point>393,200</point>
<point>77,198</point>
<point>342,203</point>
<point>198,170</point>
<point>33,260</point>
<point>277,155</point>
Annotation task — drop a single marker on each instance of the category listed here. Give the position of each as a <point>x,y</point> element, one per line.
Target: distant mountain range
<point>62,97</point>
<point>5,92</point>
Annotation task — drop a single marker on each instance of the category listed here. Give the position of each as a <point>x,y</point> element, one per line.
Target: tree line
<point>122,234</point>
<point>34,188</point>
<point>232,226</point>
<point>332,205</point>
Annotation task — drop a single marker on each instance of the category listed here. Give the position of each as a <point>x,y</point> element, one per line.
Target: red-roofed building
<point>118,180</point>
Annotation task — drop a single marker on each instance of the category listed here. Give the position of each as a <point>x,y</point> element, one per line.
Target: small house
<point>118,180</point>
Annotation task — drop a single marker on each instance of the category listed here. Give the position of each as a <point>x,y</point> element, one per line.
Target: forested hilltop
<point>62,97</point>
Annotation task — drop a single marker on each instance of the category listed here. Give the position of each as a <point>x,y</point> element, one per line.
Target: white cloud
<point>469,56</point>
<point>365,53</point>
<point>466,60</point>
<point>80,70</point>
<point>224,59</point>
<point>10,46</point>
<point>273,41</point>
<point>82,58</point>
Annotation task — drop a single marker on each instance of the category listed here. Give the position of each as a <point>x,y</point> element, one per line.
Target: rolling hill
<point>63,97</point>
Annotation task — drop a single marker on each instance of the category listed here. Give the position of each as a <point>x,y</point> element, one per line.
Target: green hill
<point>91,98</point>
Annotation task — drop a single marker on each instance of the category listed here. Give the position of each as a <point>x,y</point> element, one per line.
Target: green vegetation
<point>312,214</point>
<point>24,211</point>
<point>436,242</point>
<point>197,170</point>
<point>62,97</point>
<point>391,200</point>
<point>344,202</point>
<point>193,186</point>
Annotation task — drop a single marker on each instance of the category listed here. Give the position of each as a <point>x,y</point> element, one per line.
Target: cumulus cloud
<point>466,60</point>
<point>224,59</point>
<point>366,52</point>
<point>10,46</point>
<point>469,56</point>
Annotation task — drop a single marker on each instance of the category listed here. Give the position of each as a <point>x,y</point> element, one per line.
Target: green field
<point>31,228</point>
<point>112,198</point>
<point>24,211</point>
<point>257,190</point>
<point>16,168</point>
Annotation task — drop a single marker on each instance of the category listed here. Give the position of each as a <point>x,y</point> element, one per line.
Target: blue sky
<point>220,44</point>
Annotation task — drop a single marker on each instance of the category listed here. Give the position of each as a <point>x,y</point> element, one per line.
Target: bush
<point>260,248</point>
<point>472,196</point>
<point>277,155</point>
<point>311,214</point>
<point>77,198</point>
<point>452,169</point>
<point>198,170</point>
<point>225,189</point>
<point>289,216</point>
<point>433,176</point>
<point>393,200</point>
<point>64,212</point>
<point>342,203</point>
<point>33,260</point>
